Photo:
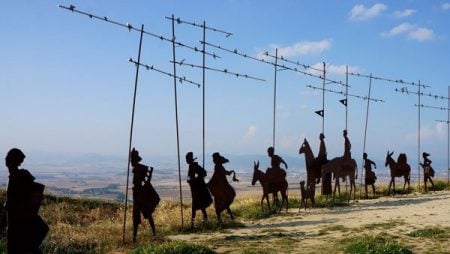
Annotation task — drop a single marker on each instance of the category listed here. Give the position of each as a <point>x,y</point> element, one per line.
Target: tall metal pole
<point>418,140</point>
<point>323,100</point>
<point>346,98</point>
<point>367,120</point>
<point>448,138</point>
<point>275,97</point>
<point>203,89</point>
<point>131,133</point>
<point>176,116</point>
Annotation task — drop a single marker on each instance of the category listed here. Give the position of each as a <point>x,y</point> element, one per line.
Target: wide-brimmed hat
<point>219,159</point>
<point>134,156</point>
<point>190,156</point>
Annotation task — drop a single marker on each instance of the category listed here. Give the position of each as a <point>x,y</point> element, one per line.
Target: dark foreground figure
<point>145,198</point>
<point>26,229</point>
<point>220,188</point>
<point>201,198</point>
<point>428,171</point>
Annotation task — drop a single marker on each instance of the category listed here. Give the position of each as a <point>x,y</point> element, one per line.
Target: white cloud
<point>299,49</point>
<point>427,133</point>
<point>445,6</point>
<point>251,131</point>
<point>359,12</point>
<point>411,31</point>
<point>402,28</point>
<point>333,69</point>
<point>404,13</point>
<point>421,34</point>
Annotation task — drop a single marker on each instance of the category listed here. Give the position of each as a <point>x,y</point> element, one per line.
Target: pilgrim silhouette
<point>26,229</point>
<point>275,174</point>
<point>201,198</point>
<point>145,198</point>
<point>347,147</point>
<point>428,171</point>
<point>370,176</point>
<point>322,159</point>
<point>220,188</point>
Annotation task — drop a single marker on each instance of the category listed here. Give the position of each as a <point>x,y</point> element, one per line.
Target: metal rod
<point>274,96</point>
<point>323,99</point>
<point>387,79</point>
<point>435,96</point>
<point>132,28</point>
<point>346,97</point>
<point>204,27</point>
<point>176,119</point>
<point>418,139</point>
<point>152,68</point>
<point>448,138</point>
<point>235,51</point>
<point>131,135</point>
<point>340,92</point>
<point>203,95</point>
<point>433,107</point>
<point>226,71</point>
<point>365,128</point>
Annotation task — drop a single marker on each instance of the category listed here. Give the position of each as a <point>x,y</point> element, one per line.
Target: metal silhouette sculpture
<point>273,189</point>
<point>370,176</point>
<point>341,168</point>
<point>201,198</point>
<point>428,171</point>
<point>26,229</point>
<point>275,173</point>
<point>307,193</point>
<point>145,198</point>
<point>313,166</point>
<point>400,168</point>
<point>222,191</point>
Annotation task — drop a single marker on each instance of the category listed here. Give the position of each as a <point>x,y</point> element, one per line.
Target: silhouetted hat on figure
<point>219,159</point>
<point>425,154</point>
<point>190,157</point>
<point>134,156</point>
<point>321,136</point>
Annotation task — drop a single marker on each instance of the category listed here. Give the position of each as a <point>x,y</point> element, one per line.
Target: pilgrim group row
<point>26,230</point>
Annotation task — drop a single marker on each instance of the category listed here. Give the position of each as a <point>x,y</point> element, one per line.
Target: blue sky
<point>66,85</point>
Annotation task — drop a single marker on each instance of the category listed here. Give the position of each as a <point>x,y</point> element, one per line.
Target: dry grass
<point>93,226</point>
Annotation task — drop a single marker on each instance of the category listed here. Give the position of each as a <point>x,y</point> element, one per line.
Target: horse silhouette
<point>341,168</point>
<point>268,188</point>
<point>398,169</point>
<point>313,171</point>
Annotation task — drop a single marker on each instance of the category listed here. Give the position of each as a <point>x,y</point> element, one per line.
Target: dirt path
<point>319,230</point>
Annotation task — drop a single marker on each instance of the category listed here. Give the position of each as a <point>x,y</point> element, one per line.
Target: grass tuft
<point>431,232</point>
<point>176,247</point>
<point>379,244</point>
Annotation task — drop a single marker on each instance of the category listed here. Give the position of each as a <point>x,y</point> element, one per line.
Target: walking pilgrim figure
<point>275,173</point>
<point>25,228</point>
<point>428,171</point>
<point>145,198</point>
<point>347,151</point>
<point>201,198</point>
<point>222,191</point>
<point>370,176</point>
<point>322,159</point>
